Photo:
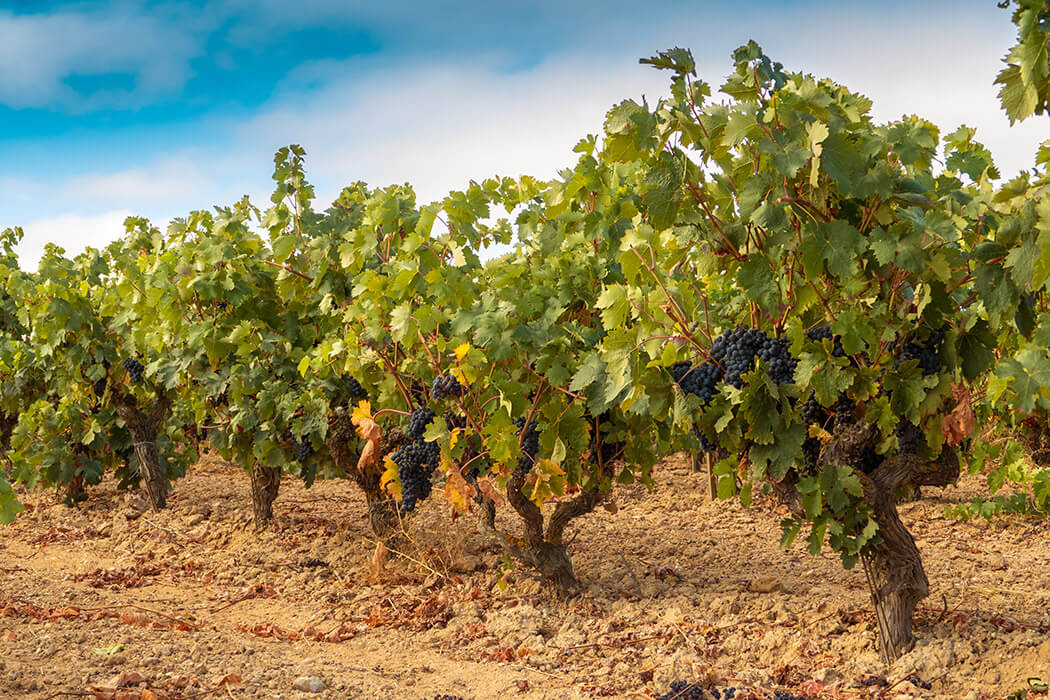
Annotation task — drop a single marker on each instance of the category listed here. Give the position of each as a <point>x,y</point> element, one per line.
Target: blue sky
<point>157,108</point>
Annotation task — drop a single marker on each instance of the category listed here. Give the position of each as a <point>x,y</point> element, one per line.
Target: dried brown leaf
<point>959,424</point>
<point>372,433</point>
<point>489,491</point>
<point>378,563</point>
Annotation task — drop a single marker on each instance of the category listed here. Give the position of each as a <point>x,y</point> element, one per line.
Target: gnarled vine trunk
<point>384,517</point>
<point>7,427</point>
<point>265,483</point>
<point>545,554</point>
<point>896,578</point>
<point>144,428</point>
<point>543,550</point>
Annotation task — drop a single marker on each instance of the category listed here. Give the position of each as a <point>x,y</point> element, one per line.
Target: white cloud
<point>39,52</point>
<point>441,126</point>
<point>945,75</point>
<point>73,232</point>
<point>438,125</point>
<point>167,184</point>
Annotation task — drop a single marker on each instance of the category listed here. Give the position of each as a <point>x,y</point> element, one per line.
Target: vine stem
<point>679,315</point>
<point>390,410</point>
<point>397,377</point>
<point>699,197</point>
<point>288,268</point>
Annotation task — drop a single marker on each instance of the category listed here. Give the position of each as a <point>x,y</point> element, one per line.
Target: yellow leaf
<point>458,374</point>
<point>390,481</point>
<point>455,437</point>
<point>457,490</point>
<point>548,481</point>
<point>362,411</point>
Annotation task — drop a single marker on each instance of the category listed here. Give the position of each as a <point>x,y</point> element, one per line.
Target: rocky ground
<point>110,600</point>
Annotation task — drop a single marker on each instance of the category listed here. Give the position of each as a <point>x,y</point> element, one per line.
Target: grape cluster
<point>737,349</point>
<point>530,443</point>
<point>134,369</point>
<point>416,463</point>
<point>418,391</point>
<point>701,380</point>
<point>421,418</point>
<point>303,449</point>
<point>927,353</point>
<point>909,437</point>
<point>445,386</point>
<point>811,455</point>
<point>355,390</point>
<point>99,387</point>
<point>823,332</point>
<point>785,695</point>
<point>775,353</point>
<point>844,409</point>
<point>813,413</point>
<point>454,421</point>
<point>684,690</point>
<point>705,444</point>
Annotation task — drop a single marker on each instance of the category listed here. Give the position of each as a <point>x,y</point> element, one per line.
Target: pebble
<point>309,684</point>
<point>765,584</point>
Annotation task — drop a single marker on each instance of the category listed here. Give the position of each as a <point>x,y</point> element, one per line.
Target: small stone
<point>828,676</point>
<point>195,519</point>
<point>137,503</point>
<point>309,684</point>
<point>117,659</point>
<point>765,584</point>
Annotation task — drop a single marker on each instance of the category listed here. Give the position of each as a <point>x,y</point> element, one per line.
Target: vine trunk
<point>265,483</point>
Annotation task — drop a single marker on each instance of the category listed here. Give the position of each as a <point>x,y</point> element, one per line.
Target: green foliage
<point>806,213</point>
<point>785,207</point>
<point>1005,463</point>
<point>1026,79</point>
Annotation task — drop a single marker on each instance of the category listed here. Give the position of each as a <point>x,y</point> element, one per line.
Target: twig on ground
<point>165,528</point>
<point>639,640</point>
<point>116,606</point>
